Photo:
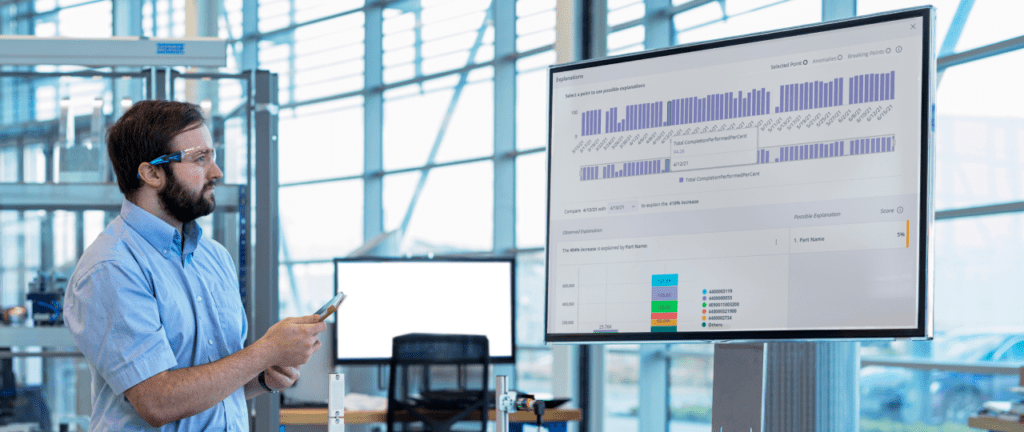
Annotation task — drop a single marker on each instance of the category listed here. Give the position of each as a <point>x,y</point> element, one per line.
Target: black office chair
<point>437,381</point>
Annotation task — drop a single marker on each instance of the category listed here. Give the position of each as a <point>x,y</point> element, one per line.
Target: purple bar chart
<point>837,92</point>
<point>872,87</point>
<point>808,95</point>
<point>591,122</point>
<point>624,169</point>
<point>787,153</point>
<point>830,149</point>
<point>714,107</point>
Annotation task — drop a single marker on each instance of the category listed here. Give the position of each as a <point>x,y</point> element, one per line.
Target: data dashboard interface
<point>774,186</point>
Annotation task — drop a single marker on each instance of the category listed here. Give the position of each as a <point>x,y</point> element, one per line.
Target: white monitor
<point>770,186</point>
<point>392,297</point>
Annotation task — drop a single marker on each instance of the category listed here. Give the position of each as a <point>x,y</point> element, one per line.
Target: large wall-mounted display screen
<point>772,186</point>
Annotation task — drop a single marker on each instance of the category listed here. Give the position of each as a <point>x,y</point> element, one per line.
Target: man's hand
<point>292,341</point>
<point>280,378</point>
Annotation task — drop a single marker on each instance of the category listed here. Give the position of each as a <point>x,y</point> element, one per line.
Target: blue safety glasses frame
<point>176,156</point>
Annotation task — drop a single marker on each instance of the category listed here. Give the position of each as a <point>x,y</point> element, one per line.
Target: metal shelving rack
<point>246,217</point>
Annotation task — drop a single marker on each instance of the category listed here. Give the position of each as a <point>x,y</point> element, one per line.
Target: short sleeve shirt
<point>140,303</point>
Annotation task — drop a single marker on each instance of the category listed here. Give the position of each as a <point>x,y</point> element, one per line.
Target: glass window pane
<point>316,60</point>
<point>410,126</point>
<point>470,134</point>
<point>944,12</point>
<point>980,133</point>
<point>531,200</point>
<point>733,7</point>
<point>94,224</point>
<point>307,10</point>
<point>622,12</point>
<point>320,221</point>
<point>690,386</point>
<point>991,22</point>
<point>91,20</point>
<point>777,16</point>
<point>321,141</point>
<point>621,391</point>
<point>425,39</point>
<point>977,319</point>
<point>535,24</point>
<point>977,260</point>
<point>275,14</point>
<point>303,288</point>
<point>629,37</point>
<point>531,110</point>
<point>398,192</point>
<point>64,238</point>
<point>412,123</point>
<point>534,362</point>
<point>701,15</point>
<point>455,212</point>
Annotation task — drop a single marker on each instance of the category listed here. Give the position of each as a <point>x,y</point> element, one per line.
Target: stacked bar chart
<point>801,96</point>
<point>624,169</point>
<point>664,302</point>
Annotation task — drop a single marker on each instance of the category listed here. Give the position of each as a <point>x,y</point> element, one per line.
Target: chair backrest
<point>438,372</point>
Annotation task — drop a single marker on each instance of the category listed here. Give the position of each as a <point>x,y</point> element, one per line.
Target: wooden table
<point>554,419</point>
<point>994,424</point>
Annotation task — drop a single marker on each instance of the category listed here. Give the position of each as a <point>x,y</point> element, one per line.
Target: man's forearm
<point>253,389</point>
<point>176,394</point>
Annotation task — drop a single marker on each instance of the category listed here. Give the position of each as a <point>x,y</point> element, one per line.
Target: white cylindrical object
<point>500,415</point>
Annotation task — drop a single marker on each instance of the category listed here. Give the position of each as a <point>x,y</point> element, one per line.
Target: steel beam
<point>981,368</point>
<point>956,28</point>
<point>504,128</point>
<point>653,384</point>
<point>986,51</point>
<point>373,124</point>
<point>658,31</point>
<point>114,51</point>
<point>1014,207</point>
<point>838,9</point>
<point>85,196</point>
<point>263,301</point>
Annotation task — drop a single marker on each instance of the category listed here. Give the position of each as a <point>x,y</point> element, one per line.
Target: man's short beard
<point>184,205</point>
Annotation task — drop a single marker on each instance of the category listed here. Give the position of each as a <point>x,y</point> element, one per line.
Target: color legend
<point>664,302</point>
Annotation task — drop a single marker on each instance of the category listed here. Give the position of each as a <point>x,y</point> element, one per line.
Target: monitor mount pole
<point>507,402</point>
<point>739,387</point>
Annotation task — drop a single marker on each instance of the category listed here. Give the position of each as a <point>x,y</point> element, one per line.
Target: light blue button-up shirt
<point>139,304</point>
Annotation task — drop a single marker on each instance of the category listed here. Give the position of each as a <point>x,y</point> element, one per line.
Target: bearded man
<point>155,307</point>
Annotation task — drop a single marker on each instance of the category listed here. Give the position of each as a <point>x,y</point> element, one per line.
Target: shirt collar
<point>159,233</point>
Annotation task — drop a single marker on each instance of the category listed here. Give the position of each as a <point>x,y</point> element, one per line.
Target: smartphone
<point>330,307</point>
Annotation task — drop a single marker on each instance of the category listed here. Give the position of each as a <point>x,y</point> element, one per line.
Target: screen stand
<point>786,386</point>
<point>738,388</point>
